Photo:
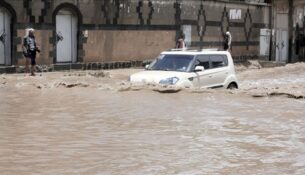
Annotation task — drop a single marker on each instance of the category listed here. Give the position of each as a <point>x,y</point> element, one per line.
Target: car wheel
<point>232,86</point>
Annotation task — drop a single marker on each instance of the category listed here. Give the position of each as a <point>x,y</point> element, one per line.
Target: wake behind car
<point>205,68</point>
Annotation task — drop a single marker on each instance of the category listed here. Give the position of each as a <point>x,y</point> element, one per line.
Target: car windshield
<point>179,63</point>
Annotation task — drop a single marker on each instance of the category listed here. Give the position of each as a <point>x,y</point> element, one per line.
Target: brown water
<point>90,128</point>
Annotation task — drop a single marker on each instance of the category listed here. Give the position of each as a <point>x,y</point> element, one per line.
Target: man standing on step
<point>29,50</point>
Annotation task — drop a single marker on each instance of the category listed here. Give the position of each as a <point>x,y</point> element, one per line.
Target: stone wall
<point>123,30</point>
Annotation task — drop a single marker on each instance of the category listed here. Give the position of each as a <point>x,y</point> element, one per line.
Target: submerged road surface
<point>76,123</point>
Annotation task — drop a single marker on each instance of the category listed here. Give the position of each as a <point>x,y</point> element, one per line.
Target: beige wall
<point>242,51</point>
<point>42,40</point>
<point>126,45</point>
<point>281,6</point>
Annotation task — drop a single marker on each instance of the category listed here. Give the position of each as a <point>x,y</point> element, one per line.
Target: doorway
<point>5,37</point>
<point>66,37</point>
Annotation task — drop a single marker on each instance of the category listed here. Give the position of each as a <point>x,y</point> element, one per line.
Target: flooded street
<point>82,123</point>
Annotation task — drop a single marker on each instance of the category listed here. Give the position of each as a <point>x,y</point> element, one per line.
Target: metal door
<point>264,42</point>
<point>201,79</point>
<point>66,31</point>
<point>5,37</point>
<point>282,37</point>
<point>219,70</point>
<point>281,45</point>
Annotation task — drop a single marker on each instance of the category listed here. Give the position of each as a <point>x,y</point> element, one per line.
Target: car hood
<point>156,76</point>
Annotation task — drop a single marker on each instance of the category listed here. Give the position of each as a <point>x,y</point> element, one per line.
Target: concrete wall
<point>107,46</point>
<point>42,38</point>
<point>123,30</point>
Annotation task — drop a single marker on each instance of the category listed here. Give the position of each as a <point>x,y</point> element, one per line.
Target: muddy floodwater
<point>96,123</point>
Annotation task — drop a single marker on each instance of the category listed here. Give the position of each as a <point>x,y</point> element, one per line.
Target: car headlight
<point>169,81</point>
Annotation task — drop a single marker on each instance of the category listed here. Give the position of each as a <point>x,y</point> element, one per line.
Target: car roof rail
<point>184,49</point>
<point>194,50</point>
<point>210,49</point>
<point>176,49</point>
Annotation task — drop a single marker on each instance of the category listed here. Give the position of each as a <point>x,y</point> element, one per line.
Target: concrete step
<point>7,69</point>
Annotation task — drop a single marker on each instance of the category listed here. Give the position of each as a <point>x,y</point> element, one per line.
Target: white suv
<point>206,68</point>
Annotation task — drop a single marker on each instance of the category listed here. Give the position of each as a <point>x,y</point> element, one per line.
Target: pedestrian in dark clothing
<point>29,50</point>
<point>180,44</point>
<point>227,41</point>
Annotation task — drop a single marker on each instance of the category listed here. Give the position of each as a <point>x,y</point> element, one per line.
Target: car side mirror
<point>199,69</point>
<point>146,66</point>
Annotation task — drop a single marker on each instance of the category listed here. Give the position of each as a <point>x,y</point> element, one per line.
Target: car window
<point>180,63</point>
<point>203,60</point>
<point>218,61</point>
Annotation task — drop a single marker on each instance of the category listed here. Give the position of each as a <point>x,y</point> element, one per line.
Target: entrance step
<point>7,69</point>
<point>68,66</point>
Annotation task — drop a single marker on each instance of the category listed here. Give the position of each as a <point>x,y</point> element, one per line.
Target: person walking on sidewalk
<point>29,51</point>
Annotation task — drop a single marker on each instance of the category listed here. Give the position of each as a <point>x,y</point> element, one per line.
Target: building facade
<point>288,43</point>
<point>86,31</point>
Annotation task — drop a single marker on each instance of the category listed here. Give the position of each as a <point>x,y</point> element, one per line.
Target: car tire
<point>232,86</point>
